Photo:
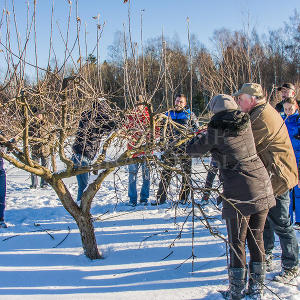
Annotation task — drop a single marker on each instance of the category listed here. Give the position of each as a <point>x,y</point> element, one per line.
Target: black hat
<point>287,86</point>
<point>34,110</point>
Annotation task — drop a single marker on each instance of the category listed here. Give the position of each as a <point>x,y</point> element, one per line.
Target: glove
<point>203,130</point>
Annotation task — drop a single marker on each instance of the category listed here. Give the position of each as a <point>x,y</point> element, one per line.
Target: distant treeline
<point>235,58</point>
<point>163,67</point>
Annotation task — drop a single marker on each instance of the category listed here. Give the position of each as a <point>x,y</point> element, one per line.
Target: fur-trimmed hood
<point>232,120</point>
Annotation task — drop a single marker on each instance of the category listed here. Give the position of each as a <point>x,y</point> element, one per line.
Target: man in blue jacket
<point>187,119</point>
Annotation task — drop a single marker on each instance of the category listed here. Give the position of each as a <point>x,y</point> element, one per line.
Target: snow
<point>41,255</point>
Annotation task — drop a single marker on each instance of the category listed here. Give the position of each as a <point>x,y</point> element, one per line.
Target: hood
<point>233,120</point>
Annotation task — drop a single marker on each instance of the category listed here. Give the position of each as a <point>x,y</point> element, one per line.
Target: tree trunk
<point>83,220</point>
<point>88,239</point>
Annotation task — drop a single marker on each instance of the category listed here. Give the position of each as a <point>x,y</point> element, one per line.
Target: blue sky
<point>167,15</point>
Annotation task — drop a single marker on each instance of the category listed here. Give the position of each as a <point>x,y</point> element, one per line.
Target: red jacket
<point>138,123</point>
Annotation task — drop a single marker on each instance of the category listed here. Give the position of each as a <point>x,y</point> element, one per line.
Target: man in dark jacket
<point>40,144</point>
<point>186,120</point>
<point>247,191</point>
<point>274,147</point>
<point>287,90</point>
<point>93,125</point>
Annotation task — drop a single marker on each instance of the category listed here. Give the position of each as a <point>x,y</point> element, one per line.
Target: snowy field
<point>41,255</point>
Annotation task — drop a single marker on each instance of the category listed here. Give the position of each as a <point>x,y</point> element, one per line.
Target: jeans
<point>295,204</point>
<point>44,163</point>
<point>279,221</point>
<point>248,228</point>
<point>82,179</point>
<point>2,193</point>
<point>132,192</point>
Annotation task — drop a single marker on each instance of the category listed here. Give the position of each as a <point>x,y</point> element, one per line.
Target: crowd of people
<point>258,167</point>
<point>254,148</point>
<point>256,151</point>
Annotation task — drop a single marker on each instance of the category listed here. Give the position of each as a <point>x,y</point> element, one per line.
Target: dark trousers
<point>166,176</point>
<point>44,163</point>
<point>2,193</point>
<point>279,221</point>
<point>248,228</point>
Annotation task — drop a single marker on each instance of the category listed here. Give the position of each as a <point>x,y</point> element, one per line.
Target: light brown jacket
<point>274,147</point>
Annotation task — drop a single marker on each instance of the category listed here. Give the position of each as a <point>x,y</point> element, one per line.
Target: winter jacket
<point>292,123</point>
<point>246,184</point>
<point>40,138</point>
<point>92,126</point>
<point>274,147</point>
<point>137,124</point>
<point>279,106</point>
<point>185,118</point>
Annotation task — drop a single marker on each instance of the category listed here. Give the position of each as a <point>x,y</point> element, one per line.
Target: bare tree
<point>63,95</point>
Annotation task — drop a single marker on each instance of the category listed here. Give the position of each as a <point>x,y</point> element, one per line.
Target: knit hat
<point>222,102</point>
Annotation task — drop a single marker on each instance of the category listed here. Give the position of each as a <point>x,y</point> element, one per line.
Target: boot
<point>269,262</point>
<point>237,284</point>
<point>287,275</point>
<point>256,280</point>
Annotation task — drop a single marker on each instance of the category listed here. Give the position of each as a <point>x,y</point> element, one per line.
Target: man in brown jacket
<point>275,150</point>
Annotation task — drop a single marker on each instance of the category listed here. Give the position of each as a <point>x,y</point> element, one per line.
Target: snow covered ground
<point>41,255</point>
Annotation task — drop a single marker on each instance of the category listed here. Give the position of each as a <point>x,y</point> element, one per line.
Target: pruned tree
<point>64,91</point>
<point>63,94</point>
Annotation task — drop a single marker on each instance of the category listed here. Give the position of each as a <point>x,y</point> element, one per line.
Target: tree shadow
<point>137,257</point>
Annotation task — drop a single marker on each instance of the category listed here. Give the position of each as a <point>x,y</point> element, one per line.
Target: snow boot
<point>3,224</point>
<point>257,275</point>
<point>287,275</point>
<point>269,262</point>
<point>237,284</point>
